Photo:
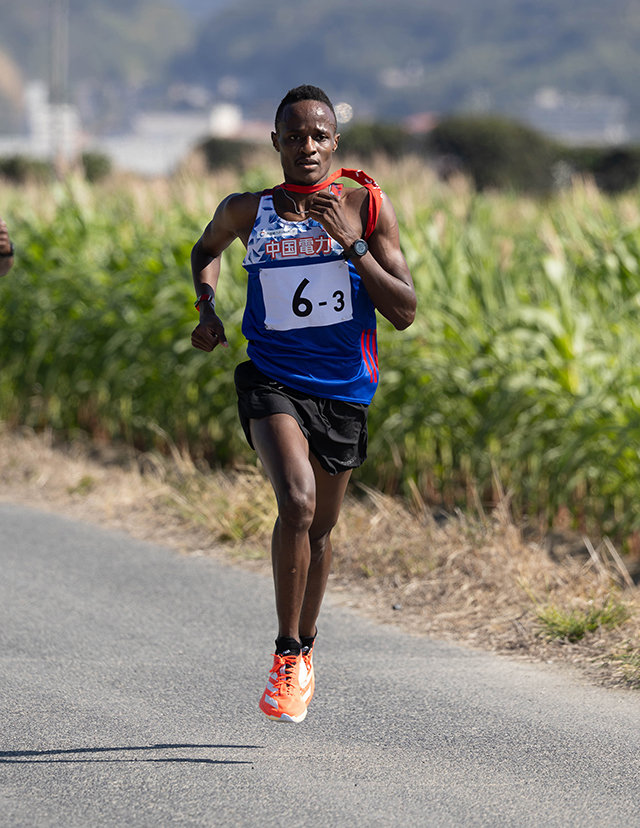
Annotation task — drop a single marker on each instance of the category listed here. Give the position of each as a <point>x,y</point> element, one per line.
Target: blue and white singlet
<point>309,321</point>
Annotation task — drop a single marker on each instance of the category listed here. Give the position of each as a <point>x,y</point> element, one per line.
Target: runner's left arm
<point>383,269</point>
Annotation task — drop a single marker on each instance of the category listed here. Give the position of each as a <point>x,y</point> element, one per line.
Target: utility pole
<point>59,86</point>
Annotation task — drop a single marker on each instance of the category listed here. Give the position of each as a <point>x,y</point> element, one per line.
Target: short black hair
<point>306,92</point>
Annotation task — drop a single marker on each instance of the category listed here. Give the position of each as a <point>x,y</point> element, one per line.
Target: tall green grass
<point>96,321</point>
<point>524,366</point>
<point>522,369</point>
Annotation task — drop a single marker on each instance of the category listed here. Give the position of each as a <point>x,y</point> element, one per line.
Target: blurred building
<point>579,119</point>
<point>53,130</point>
<point>159,140</point>
<point>154,142</point>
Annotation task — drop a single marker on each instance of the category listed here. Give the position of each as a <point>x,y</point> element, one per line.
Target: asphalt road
<point>129,682</point>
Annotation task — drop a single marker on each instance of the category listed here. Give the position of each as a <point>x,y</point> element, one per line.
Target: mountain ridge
<point>387,61</point>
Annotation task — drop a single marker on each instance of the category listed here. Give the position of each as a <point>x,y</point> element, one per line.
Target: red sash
<point>375,193</point>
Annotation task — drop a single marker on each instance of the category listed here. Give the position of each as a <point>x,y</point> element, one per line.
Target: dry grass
<point>477,581</point>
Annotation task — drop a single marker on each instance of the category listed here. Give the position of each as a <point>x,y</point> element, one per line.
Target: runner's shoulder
<point>356,195</point>
<point>238,210</point>
<point>359,196</point>
<point>358,199</point>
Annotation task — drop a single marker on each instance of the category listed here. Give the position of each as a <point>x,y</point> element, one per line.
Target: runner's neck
<point>360,177</point>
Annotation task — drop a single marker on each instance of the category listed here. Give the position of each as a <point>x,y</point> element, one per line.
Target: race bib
<point>309,296</point>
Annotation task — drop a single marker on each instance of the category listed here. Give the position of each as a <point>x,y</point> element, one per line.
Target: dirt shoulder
<point>477,581</point>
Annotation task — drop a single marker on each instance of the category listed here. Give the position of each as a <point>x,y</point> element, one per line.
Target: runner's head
<point>306,92</point>
<point>305,135</point>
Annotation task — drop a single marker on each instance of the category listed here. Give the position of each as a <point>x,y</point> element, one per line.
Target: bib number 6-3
<point>302,306</point>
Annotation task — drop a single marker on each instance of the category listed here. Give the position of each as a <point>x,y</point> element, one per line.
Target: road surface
<point>129,683</point>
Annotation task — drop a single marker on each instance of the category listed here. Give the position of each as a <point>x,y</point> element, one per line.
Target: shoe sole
<point>284,717</point>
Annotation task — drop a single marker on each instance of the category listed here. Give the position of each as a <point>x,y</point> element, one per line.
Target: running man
<point>321,260</point>
<point>6,249</point>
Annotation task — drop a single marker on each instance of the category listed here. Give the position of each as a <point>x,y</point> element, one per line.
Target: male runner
<point>6,250</point>
<point>321,260</point>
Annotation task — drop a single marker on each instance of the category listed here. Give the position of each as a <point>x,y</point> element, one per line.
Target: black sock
<point>287,646</point>
<point>306,641</point>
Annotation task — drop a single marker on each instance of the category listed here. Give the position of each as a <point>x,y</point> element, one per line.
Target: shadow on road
<point>87,754</point>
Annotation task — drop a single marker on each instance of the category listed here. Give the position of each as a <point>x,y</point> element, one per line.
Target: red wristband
<point>205,297</point>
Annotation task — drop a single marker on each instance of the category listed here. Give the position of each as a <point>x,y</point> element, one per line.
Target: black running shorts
<point>336,430</point>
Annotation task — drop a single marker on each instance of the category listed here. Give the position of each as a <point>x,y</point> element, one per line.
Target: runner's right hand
<point>209,333</point>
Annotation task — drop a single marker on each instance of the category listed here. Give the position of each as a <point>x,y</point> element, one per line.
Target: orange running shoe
<point>282,699</point>
<point>307,675</point>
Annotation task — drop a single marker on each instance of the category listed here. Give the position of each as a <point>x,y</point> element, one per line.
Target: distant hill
<point>393,59</point>
<point>388,60</point>
<point>108,39</point>
<point>114,47</point>
<point>202,8</point>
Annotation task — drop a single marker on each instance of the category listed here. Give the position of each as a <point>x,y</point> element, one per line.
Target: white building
<point>579,119</point>
<point>53,130</point>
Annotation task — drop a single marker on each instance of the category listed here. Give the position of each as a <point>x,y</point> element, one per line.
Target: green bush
<point>495,152</point>
<point>368,140</point>
<point>96,166</point>
<point>22,168</point>
<point>614,169</point>
<point>226,153</point>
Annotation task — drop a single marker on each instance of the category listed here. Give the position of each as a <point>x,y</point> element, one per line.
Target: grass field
<point>520,373</point>
<point>511,408</point>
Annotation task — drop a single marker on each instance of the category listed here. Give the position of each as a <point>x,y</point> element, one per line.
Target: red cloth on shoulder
<point>360,177</point>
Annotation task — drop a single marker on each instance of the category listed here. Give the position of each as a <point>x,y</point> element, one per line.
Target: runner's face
<point>306,139</point>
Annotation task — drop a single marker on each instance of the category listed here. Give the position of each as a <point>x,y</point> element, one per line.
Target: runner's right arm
<point>231,220</point>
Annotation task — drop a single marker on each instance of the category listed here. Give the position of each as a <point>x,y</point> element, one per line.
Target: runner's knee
<point>296,507</point>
